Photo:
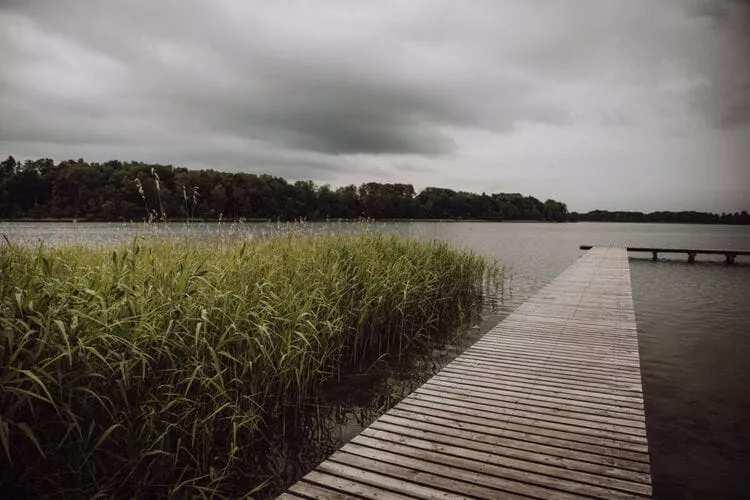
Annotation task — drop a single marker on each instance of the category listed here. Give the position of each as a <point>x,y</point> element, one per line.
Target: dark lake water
<point>693,323</point>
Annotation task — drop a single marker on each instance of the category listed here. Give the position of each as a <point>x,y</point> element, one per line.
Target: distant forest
<point>42,189</point>
<point>689,217</point>
<point>115,191</point>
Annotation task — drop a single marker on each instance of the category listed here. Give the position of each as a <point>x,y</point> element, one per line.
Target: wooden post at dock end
<point>654,255</point>
<point>691,257</point>
<point>730,258</point>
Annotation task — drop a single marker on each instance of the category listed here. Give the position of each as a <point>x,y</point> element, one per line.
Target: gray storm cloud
<point>571,100</point>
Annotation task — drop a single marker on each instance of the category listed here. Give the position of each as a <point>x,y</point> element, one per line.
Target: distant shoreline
<point>67,220</point>
<point>75,190</point>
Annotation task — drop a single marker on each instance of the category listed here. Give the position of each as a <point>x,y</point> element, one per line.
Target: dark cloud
<point>346,92</point>
<point>306,90</point>
<point>725,97</point>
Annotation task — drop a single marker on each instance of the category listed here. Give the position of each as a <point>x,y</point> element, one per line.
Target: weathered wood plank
<point>509,449</point>
<point>534,367</point>
<point>460,369</point>
<point>602,416</point>
<point>439,481</point>
<point>614,447</point>
<point>548,404</point>
<point>528,418</point>
<point>567,395</point>
<point>545,445</point>
<point>324,483</point>
<point>501,462</point>
<point>289,496</point>
<point>477,378</point>
<point>305,489</point>
<point>479,480</point>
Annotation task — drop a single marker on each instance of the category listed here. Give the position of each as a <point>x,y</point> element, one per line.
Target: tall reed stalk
<point>156,368</point>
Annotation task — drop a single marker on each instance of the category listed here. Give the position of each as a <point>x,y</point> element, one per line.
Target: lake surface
<point>693,323</point>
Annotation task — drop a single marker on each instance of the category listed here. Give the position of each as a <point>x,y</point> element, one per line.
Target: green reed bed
<point>156,368</point>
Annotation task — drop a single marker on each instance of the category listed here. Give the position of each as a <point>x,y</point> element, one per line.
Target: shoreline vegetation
<point>573,218</point>
<point>173,367</point>
<point>118,191</point>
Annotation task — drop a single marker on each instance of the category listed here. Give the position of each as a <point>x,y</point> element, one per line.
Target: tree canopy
<point>114,190</point>
<point>685,217</point>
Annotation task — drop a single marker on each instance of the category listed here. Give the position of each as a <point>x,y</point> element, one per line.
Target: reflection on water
<point>693,322</point>
<point>694,335</point>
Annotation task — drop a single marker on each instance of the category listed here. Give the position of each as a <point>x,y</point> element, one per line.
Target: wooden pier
<point>548,404</point>
<point>729,255</point>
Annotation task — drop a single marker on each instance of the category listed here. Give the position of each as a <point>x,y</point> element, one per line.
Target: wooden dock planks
<point>548,404</point>
<point>729,255</point>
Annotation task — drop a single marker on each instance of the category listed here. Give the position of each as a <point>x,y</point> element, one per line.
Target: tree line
<point>685,217</point>
<point>115,190</point>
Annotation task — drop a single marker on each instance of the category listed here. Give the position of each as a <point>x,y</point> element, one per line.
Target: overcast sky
<point>624,104</point>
